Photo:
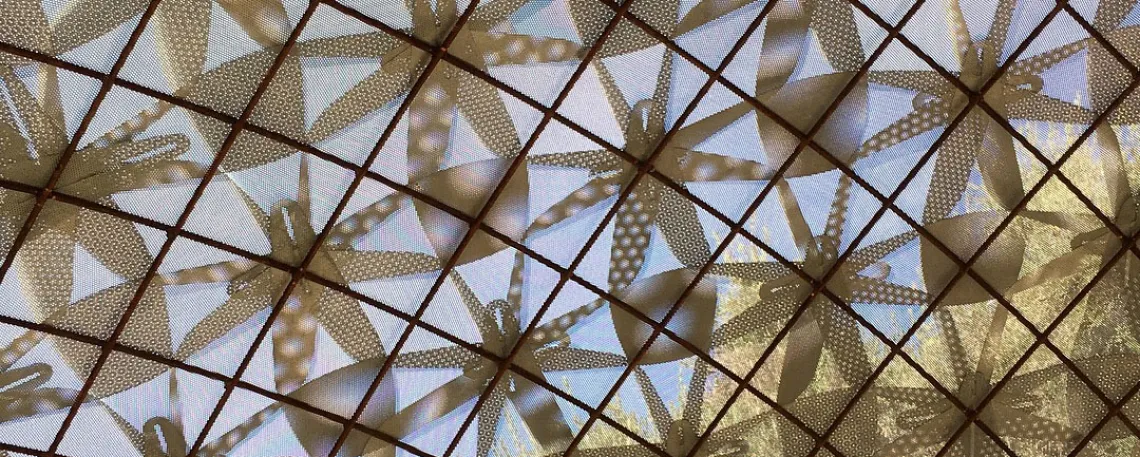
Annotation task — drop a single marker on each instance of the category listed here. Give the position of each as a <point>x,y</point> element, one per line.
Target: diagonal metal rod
<point>300,272</point>
<point>1073,148</point>
<point>899,188</point>
<point>843,166</point>
<point>106,85</point>
<point>473,229</point>
<point>737,226</point>
<point>507,361</point>
<point>144,283</point>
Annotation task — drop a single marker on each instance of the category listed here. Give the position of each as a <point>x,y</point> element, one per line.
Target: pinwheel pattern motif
<point>491,228</point>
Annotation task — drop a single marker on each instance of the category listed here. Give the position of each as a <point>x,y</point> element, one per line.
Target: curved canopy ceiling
<point>677,228</point>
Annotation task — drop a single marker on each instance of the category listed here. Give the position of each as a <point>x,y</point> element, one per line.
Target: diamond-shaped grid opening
<point>821,362</point>
<point>79,269</point>
<point>457,138</point>
<point>756,295</point>
<point>889,278</point>
<point>521,417</point>
<point>324,341</point>
<point>162,408</point>
<point>1100,334</point>
<point>275,199</point>
<point>142,155</point>
<point>492,296</point>
<point>908,107</point>
<point>818,68</point>
<point>534,48</point>
<point>1064,244</point>
<point>1115,21</point>
<point>653,248</point>
<point>1044,406</point>
<point>663,401</point>
<point>799,54</point>
<point>708,30</point>
<point>390,246</point>
<point>1104,169</point>
<point>811,213</point>
<point>1057,90</point>
<point>341,85</point>
<point>725,152</point>
<point>431,388</point>
<point>967,346</point>
<point>43,107</point>
<point>973,39</point>
<point>1058,87</point>
<point>979,172</point>
<point>913,417</point>
<point>645,85</point>
<point>205,306</point>
<point>212,53</point>
<point>571,184</point>
<point>581,351</point>
<point>45,373</point>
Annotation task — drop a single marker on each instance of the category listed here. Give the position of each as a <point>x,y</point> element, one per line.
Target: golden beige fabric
<point>678,228</point>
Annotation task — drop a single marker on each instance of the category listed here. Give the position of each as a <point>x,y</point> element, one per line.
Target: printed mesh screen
<point>600,228</point>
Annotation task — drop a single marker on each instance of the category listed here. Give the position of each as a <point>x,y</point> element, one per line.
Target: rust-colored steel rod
<point>305,147</point>
<point>737,226</point>
<point>844,167</point>
<point>106,83</point>
<point>548,114</point>
<point>900,187</point>
<point>194,369</point>
<point>199,191</point>
<point>299,273</point>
